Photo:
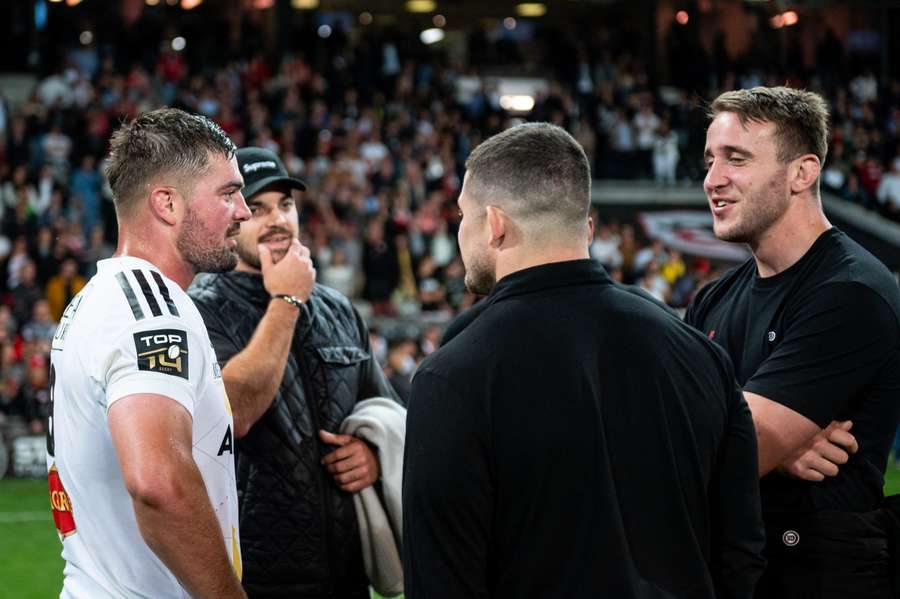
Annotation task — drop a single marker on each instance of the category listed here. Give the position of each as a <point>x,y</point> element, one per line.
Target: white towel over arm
<point>382,423</point>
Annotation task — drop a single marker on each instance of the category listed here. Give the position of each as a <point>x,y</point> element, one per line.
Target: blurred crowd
<point>381,138</point>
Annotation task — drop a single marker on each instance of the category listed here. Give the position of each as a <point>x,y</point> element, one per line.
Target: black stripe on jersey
<point>129,295</point>
<point>148,293</point>
<point>164,291</point>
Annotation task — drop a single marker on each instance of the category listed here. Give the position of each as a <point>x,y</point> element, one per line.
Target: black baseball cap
<point>261,168</point>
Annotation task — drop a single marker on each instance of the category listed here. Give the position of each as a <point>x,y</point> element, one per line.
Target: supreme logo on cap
<point>252,167</point>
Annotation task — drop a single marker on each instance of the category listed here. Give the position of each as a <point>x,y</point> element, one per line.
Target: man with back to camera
<point>143,495</point>
<point>296,361</point>
<point>812,323</point>
<point>572,439</point>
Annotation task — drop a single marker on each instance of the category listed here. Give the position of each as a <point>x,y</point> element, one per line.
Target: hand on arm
<point>152,436</point>
<point>829,449</point>
<point>253,375</point>
<point>780,431</point>
<point>353,465</point>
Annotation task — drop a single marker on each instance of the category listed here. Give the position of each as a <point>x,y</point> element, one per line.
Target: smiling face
<point>274,223</point>
<point>212,218</point>
<point>746,185</point>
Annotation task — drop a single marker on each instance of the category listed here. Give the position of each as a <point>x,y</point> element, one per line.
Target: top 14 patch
<point>162,350</point>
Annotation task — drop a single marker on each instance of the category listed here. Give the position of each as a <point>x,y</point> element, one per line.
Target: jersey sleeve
<point>160,356</point>
<point>836,341</point>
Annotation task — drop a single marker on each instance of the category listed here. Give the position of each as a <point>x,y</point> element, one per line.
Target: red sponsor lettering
<point>60,504</point>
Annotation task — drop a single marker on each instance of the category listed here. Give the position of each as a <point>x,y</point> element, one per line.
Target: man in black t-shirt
<point>812,324</point>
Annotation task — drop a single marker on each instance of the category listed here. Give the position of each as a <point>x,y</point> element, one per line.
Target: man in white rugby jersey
<point>140,444</point>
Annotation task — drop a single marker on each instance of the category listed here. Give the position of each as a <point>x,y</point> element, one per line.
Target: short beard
<point>200,249</point>
<point>766,207</point>
<point>249,254</point>
<point>480,276</point>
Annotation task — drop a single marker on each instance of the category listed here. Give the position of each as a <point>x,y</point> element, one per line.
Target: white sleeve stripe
<point>164,291</point>
<point>147,291</point>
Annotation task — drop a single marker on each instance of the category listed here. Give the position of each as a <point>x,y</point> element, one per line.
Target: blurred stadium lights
<point>179,43</point>
<point>682,17</point>
<point>421,5</point>
<point>55,0</point>
<point>40,15</point>
<point>531,9</point>
<point>152,2</point>
<point>86,38</point>
<point>509,23</point>
<point>785,19</point>
<point>190,4</point>
<point>365,18</point>
<point>171,2</point>
<point>517,103</point>
<point>263,4</point>
<point>439,20</point>
<point>73,2</point>
<point>305,4</point>
<point>431,36</point>
<point>324,31</point>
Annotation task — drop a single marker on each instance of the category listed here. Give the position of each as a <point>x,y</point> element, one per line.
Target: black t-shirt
<point>823,339</point>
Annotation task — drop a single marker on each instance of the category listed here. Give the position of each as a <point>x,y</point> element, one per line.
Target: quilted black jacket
<point>299,536</point>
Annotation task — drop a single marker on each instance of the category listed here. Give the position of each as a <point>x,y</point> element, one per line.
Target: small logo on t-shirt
<point>162,350</point>
<point>790,538</point>
<point>771,336</point>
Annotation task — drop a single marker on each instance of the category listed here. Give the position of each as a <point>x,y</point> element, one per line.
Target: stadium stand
<point>379,126</point>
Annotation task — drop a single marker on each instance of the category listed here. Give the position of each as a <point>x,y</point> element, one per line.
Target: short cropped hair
<point>164,141</point>
<point>536,171</point>
<point>800,117</point>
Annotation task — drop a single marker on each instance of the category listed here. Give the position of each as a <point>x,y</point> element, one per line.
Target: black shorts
<point>827,555</point>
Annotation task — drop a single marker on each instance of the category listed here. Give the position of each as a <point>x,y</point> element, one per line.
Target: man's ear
<point>164,204</point>
<point>590,238</point>
<point>498,224</point>
<point>804,173</point>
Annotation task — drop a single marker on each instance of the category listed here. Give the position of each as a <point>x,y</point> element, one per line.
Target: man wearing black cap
<point>296,360</point>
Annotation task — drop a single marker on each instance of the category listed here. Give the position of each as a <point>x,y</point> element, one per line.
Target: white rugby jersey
<point>130,330</point>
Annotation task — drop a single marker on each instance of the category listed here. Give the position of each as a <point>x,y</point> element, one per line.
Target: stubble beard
<point>200,249</point>
<point>760,212</point>
<point>480,276</point>
<point>249,254</point>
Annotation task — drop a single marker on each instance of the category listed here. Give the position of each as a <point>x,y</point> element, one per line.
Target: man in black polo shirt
<point>572,439</point>
<point>812,324</point>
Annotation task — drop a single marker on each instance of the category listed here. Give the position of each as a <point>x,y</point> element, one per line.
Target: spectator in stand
<point>16,187</point>
<point>380,265</point>
<point>34,394</point>
<point>888,195</point>
<point>38,332</point>
<point>665,154</point>
<point>26,293</point>
<point>646,125</point>
<point>98,249</point>
<point>85,186</point>
<point>62,287</point>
